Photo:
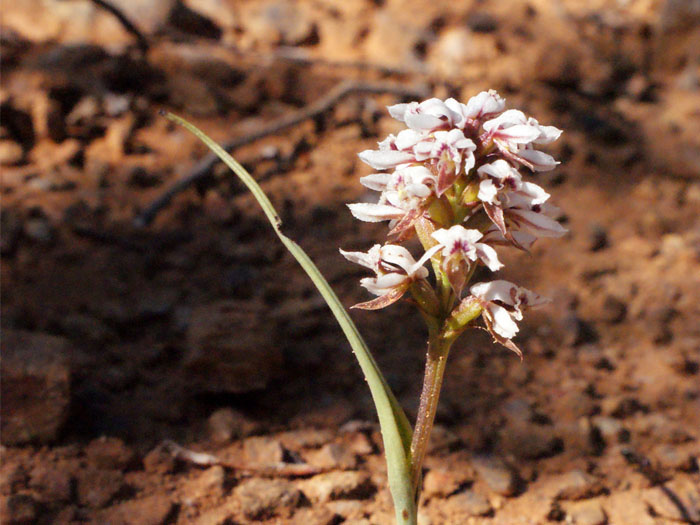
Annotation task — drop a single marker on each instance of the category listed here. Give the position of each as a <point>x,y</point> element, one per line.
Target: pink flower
<point>459,246</point>
<point>430,115</point>
<point>396,270</point>
<point>512,204</point>
<point>450,153</point>
<point>503,303</point>
<point>514,135</point>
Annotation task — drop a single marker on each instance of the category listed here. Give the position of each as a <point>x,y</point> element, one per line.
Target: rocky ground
<point>178,367</point>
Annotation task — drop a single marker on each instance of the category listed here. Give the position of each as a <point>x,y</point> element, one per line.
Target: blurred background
<point>147,304</point>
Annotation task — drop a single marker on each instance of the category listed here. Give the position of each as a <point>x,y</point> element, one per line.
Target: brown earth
<point>124,342</point>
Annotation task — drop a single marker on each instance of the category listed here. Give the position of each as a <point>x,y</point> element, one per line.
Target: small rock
<point>496,474</point>
<point>227,424</point>
<point>575,485</point>
<point>96,488</point>
<point>159,461</point>
<point>611,429</point>
<point>482,22</point>
<point>279,22</point>
<point>348,509</point>
<point>230,348</point>
<point>305,438</point>
<point>339,485</point>
<point>18,509</point>
<point>11,153</point>
<point>529,441</point>
<point>263,451</point>
<point>441,482</point>
<point>331,456</point>
<point>264,498</point>
<point>54,484</point>
<point>209,483</point>
<point>586,513</point>
<point>110,454</point>
<point>469,503</point>
<point>35,386</point>
<point>153,510</point>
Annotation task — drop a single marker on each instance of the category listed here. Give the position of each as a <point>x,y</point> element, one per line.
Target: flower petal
<point>375,212</point>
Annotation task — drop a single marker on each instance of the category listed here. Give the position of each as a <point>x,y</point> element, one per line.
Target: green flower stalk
<point>451,179</point>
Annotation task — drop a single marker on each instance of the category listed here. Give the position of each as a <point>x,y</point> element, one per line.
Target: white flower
<point>514,134</point>
<point>512,204</point>
<point>483,105</point>
<point>459,246</point>
<point>449,152</point>
<point>503,303</point>
<point>396,270</point>
<point>406,193</point>
<point>430,115</point>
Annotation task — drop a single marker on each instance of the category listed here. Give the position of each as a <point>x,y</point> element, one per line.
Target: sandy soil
<point>128,344</point>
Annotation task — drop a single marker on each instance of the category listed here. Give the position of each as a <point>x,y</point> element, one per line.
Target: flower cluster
<point>452,178</point>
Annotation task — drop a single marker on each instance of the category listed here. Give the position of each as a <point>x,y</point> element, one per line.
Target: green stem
<point>438,349</point>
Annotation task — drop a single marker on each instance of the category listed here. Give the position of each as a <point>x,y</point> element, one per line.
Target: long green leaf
<point>396,430</point>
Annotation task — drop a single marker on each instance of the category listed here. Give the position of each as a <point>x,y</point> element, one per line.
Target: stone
<point>263,451</point>
<point>18,509</point>
<point>35,386</point>
<point>496,474</point>
<point>586,513</point>
<point>227,424</point>
<point>97,488</point>
<point>610,429</point>
<point>230,348</point>
<point>339,485</point>
<point>208,484</point>
<point>153,510</point>
<point>469,503</point>
<point>278,22</point>
<point>264,498</point>
<point>305,438</point>
<point>54,484</point>
<point>332,456</point>
<point>575,485</point>
<point>10,153</point>
<point>110,453</point>
<point>441,482</point>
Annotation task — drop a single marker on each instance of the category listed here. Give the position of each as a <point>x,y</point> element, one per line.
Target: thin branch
<point>204,166</point>
<point>143,44</point>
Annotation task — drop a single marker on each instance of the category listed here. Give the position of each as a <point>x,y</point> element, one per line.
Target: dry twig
<point>204,167</point>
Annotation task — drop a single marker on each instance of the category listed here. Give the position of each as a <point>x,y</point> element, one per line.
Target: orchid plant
<point>452,179</point>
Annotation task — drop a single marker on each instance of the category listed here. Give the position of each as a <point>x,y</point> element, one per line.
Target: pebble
<point>339,485</point>
<point>209,483</point>
<point>574,485</point>
<point>469,503</point>
<point>153,510</point>
<point>332,456</point>
<point>279,22</point>
<point>496,474</point>
<point>110,453</point>
<point>35,386</point>
<point>441,482</point>
<point>586,513</point>
<point>96,488</point>
<point>610,428</point>
<point>227,424</point>
<point>263,451</point>
<point>54,484</point>
<point>10,153</point>
<point>264,498</point>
